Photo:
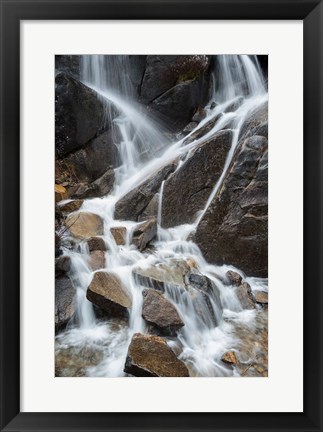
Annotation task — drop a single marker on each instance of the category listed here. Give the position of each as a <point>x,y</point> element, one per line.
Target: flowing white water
<point>143,148</point>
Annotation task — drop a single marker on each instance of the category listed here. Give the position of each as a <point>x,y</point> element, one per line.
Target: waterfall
<point>237,88</point>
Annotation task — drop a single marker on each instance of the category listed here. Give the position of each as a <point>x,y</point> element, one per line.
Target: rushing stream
<point>94,347</point>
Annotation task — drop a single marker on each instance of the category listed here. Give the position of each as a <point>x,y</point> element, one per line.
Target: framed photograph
<point>161,215</point>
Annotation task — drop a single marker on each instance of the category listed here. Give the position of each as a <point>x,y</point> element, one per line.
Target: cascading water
<point>238,88</point>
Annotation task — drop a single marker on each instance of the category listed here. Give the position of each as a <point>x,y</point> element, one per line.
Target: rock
<point>187,190</point>
<point>133,204</point>
<point>79,114</point>
<point>144,233</point>
<point>94,159</point>
<point>256,123</point>
<point>83,225</point>
<point>97,260</point>
<point>150,356</point>
<point>234,277</point>
<point>71,206</point>
<point>199,115</point>
<point>62,265</point>
<point>151,211</point>
<point>177,105</point>
<point>136,70</point>
<point>100,187</point>
<point>60,193</point>
<point>158,78</point>
<point>192,263</point>
<point>159,311</point>
<point>57,244</point>
<point>108,293</point>
<point>65,302</point>
<point>96,244</point>
<point>230,358</point>
<point>234,229</point>
<point>157,276</point>
<point>188,128</point>
<point>119,234</point>
<point>261,297</point>
<point>69,64</point>
<point>245,296</point>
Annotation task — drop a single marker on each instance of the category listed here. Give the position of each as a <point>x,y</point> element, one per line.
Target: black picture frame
<point>12,12</point>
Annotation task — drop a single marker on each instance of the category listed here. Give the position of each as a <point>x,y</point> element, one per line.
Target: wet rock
<point>234,229</point>
<point>261,297</point>
<point>65,302</point>
<point>57,244</point>
<point>119,234</point>
<point>94,159</point>
<point>97,260</point>
<point>144,233</point>
<point>151,211</point>
<point>96,244</point>
<point>71,206</point>
<point>177,105</point>
<point>150,356</point>
<point>84,225</point>
<point>234,277</point>
<point>60,193</point>
<point>108,293</point>
<point>62,265</point>
<point>187,190</point>
<point>69,64</point>
<point>188,128</point>
<point>159,311</point>
<point>256,123</point>
<point>79,114</point>
<point>133,204</point>
<point>158,276</point>
<point>245,296</point>
<point>199,115</point>
<point>100,187</point>
<point>230,358</point>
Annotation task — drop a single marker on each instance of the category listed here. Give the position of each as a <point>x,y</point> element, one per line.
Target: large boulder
<point>187,190</point>
<point>144,233</point>
<point>65,302</point>
<point>94,159</point>
<point>179,103</point>
<point>160,275</point>
<point>62,265</point>
<point>84,225</point>
<point>109,293</point>
<point>69,64</point>
<point>79,114</point>
<point>133,204</point>
<point>161,312</point>
<point>150,356</point>
<point>234,229</point>
<point>100,187</point>
<point>245,296</point>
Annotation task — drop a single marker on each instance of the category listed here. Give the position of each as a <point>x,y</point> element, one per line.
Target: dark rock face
<point>137,68</point>
<point>256,123</point>
<point>188,189</point>
<point>234,229</point>
<point>108,293</point>
<point>158,77</point>
<point>159,311</point>
<point>69,64</point>
<point>100,187</point>
<point>65,302</point>
<point>179,103</point>
<point>95,158</point>
<point>132,205</point>
<point>62,265</point>
<point>79,114</point>
<point>150,356</point>
<point>144,233</point>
